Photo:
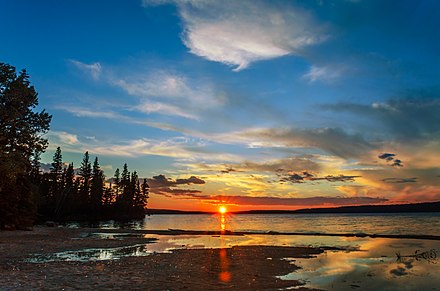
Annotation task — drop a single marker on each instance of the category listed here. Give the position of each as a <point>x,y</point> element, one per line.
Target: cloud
<point>323,73</point>
<point>170,93</point>
<point>180,148</point>
<point>94,69</point>
<point>278,165</point>
<point>285,201</point>
<point>86,112</point>
<point>165,109</point>
<point>387,156</point>
<point>162,181</point>
<point>64,137</point>
<point>400,180</point>
<point>391,158</point>
<point>162,185</point>
<point>306,176</point>
<point>238,33</point>
<point>397,163</point>
<point>331,140</point>
<point>408,119</point>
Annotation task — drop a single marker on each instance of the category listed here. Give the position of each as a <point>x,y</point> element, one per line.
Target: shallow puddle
<point>375,267</point>
<point>92,254</point>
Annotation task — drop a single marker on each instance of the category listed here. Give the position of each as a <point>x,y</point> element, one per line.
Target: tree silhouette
<point>21,130</point>
<point>97,187</point>
<point>85,172</point>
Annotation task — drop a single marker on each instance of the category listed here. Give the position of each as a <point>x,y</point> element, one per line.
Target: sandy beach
<point>244,267</point>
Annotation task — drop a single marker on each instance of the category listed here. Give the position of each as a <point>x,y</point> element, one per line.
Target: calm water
<point>403,223</point>
<point>364,263</point>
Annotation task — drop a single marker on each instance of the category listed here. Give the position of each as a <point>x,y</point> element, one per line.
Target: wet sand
<point>243,267</point>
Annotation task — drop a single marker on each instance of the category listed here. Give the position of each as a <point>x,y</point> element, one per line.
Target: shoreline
<point>241,233</point>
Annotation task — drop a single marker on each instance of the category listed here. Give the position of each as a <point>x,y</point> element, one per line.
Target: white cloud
<point>238,33</point>
<point>94,69</point>
<point>166,109</point>
<point>324,73</point>
<point>64,137</point>
<point>172,86</point>
<point>171,93</point>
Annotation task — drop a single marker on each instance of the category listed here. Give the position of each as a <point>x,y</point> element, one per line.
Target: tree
<point>56,171</point>
<point>97,186</point>
<point>21,136</point>
<point>85,172</point>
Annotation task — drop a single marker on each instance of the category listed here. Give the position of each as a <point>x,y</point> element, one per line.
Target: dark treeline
<point>64,195</point>
<point>27,194</point>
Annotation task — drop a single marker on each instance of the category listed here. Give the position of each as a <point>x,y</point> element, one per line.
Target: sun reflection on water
<point>224,274</point>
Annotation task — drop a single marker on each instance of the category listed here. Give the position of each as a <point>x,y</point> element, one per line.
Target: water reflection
<point>224,275</point>
<point>374,267</point>
<point>93,254</point>
<point>222,222</point>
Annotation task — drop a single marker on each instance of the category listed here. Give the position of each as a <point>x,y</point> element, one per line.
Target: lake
<point>361,263</point>
<point>395,223</point>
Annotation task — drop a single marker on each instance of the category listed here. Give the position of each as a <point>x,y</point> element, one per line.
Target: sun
<point>222,210</point>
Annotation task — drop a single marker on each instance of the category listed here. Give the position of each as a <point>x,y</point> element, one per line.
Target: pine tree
<point>85,172</point>
<point>97,186</point>
<point>125,185</point>
<point>35,168</point>
<point>145,194</point>
<point>56,172</point>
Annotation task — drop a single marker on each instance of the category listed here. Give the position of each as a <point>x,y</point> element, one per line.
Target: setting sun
<point>222,209</point>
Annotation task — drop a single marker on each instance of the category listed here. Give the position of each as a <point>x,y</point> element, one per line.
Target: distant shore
<point>392,208</point>
<point>246,267</point>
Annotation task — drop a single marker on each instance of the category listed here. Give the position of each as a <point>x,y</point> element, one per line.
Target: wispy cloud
<point>284,201</point>
<point>306,176</point>
<point>238,33</point>
<point>170,93</point>
<point>323,73</point>
<point>331,140</point>
<point>400,180</point>
<point>179,148</point>
<point>93,69</point>
<point>64,137</point>
<point>165,109</point>
<point>409,119</point>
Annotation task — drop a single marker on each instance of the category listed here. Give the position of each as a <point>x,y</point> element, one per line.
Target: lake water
<point>363,263</point>
<point>400,223</point>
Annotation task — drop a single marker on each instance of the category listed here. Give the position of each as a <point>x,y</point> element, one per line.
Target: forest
<point>29,195</point>
<point>66,193</point>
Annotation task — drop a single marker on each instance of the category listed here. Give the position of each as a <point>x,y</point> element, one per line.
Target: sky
<point>251,104</point>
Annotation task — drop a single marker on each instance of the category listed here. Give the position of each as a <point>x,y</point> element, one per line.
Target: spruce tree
<point>56,172</point>
<point>97,187</point>
<point>85,172</point>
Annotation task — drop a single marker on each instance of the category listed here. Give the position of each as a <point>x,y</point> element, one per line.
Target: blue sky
<point>269,104</point>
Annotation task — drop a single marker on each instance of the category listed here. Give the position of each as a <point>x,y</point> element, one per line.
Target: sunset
<point>245,123</point>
